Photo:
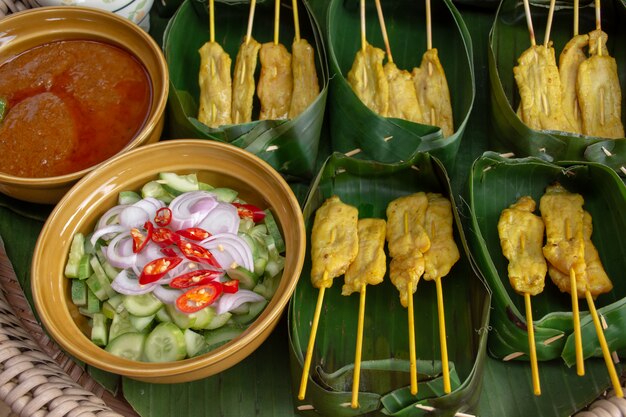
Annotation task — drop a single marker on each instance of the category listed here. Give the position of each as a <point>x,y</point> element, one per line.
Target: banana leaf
<point>370,186</point>
<point>605,195</point>
<point>355,126</point>
<point>509,38</point>
<point>290,146</point>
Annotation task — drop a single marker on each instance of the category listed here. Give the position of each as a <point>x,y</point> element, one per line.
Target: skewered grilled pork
<point>275,82</point>
<point>368,80</point>
<point>443,252</point>
<point>334,241</point>
<point>215,85</point>
<point>305,84</point>
<point>243,81</point>
<point>403,102</point>
<point>521,238</point>
<point>370,264</point>
<point>569,61</point>
<point>405,217</point>
<point>404,269</point>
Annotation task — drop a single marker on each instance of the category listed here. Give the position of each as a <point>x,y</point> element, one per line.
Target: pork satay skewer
<point>368,268</point>
<point>546,38</point>
<point>521,237</point>
<point>334,246</point>
<point>243,78</point>
<point>438,260</point>
<point>411,319</point>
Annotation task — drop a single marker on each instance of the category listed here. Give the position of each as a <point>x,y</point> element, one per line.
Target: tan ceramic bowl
<point>25,30</point>
<point>217,164</point>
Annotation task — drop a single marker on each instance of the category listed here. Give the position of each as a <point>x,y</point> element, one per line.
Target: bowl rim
<point>151,371</point>
<point>154,115</point>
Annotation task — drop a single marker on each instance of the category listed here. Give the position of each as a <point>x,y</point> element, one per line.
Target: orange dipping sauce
<point>71,105</point>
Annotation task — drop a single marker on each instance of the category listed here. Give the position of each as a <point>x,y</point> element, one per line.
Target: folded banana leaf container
<point>384,387</point>
<point>605,197</point>
<point>290,146</point>
<point>509,37</point>
<point>353,126</point>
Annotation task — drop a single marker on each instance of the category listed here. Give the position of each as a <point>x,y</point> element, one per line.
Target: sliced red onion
<point>127,283</point>
<point>110,216</point>
<point>167,295</point>
<point>107,232</point>
<point>119,253</point>
<point>230,251</point>
<point>222,219</point>
<point>228,302</point>
<point>189,208</point>
<point>134,217</point>
<point>150,205</point>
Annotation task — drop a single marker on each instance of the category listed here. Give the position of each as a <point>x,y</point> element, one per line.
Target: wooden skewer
<point>363,37</point>
<point>359,348</point>
<point>296,19</point>
<point>576,17</point>
<point>580,364</point>
<point>429,27</point>
<point>211,21</point>
<point>534,368</point>
<point>610,366</point>
<point>529,22</point>
<point>383,29</point>
<point>442,338</point>
<point>599,27</point>
<point>546,39</point>
<point>412,356</point>
<point>311,345</point>
<point>250,21</point>
<point>276,21</point>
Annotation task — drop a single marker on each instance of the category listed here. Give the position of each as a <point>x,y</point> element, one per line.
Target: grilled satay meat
<point>403,102</point>
<point>539,85</point>
<point>334,241</point>
<point>405,269</point>
<point>305,84</point>
<point>443,252</point>
<point>275,82</point>
<point>598,282</point>
<point>405,217</point>
<point>562,214</point>
<point>368,81</point>
<point>215,85</point>
<point>243,81</point>
<point>521,238</point>
<point>599,92</point>
<point>433,94</point>
<point>569,61</point>
<point>370,264</point>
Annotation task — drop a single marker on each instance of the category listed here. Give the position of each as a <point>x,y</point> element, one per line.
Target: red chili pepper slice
<point>163,217</point>
<point>156,269</point>
<point>194,278</point>
<point>249,211</point>
<point>197,253</point>
<point>198,298</point>
<point>231,287</point>
<point>168,251</point>
<point>194,233</point>
<point>140,239</point>
<point>164,237</point>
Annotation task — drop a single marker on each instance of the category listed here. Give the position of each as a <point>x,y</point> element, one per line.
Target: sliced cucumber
<point>247,279</point>
<point>274,231</point>
<point>109,311</point>
<point>142,305</point>
<point>128,197</point>
<point>156,190</point>
<point>194,341</point>
<point>78,261</point>
<point>93,303</point>
<point>165,343</point>
<point>203,186</point>
<point>116,301</point>
<point>178,184</point>
<point>255,309</point>
<point>79,292</point>
<point>227,195</point>
<point>245,225</point>
<point>204,317</point>
<point>120,324</point>
<point>218,337</point>
<point>274,266</point>
<point>99,329</point>
<point>141,323</point>
<point>163,316</point>
<point>99,282</point>
<point>218,321</point>
<point>267,288</point>
<point>128,346</point>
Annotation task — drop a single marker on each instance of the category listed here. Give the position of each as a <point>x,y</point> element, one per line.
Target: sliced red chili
<point>156,269</point>
<point>194,233</point>
<point>168,251</point>
<point>163,217</point>
<point>198,298</point>
<point>249,211</point>
<point>231,287</point>
<point>141,238</point>
<point>194,278</point>
<point>164,237</point>
<point>197,253</point>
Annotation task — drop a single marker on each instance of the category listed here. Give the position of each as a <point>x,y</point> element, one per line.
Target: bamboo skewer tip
<point>276,21</point>
<point>442,338</point>
<point>359,349</point>
<point>580,364</point>
<point>362,17</point>
<point>250,21</point>
<point>531,346</point>
<point>296,20</point>
<point>383,29</point>
<point>412,356</point>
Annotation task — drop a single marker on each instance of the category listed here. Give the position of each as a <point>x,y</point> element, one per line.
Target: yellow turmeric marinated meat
<point>443,252</point>
<point>368,81</point>
<point>334,241</point>
<point>521,238</point>
<point>599,92</point>
<point>370,264</point>
<point>275,85</point>
<point>562,214</point>
<point>570,59</point>
<point>433,94</point>
<point>243,81</point>
<point>405,217</point>
<point>215,85</point>
<point>405,269</point>
<point>403,102</point>
<point>305,84</point>
<point>539,85</point>
<point>598,282</point>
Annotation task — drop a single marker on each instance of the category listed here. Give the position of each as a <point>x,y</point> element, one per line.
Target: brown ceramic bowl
<point>216,163</point>
<point>25,30</point>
